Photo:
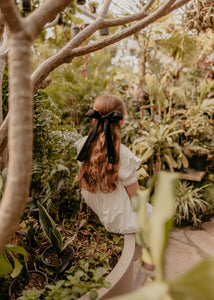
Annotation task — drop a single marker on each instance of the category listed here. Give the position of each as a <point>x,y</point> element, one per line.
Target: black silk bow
<point>113,116</point>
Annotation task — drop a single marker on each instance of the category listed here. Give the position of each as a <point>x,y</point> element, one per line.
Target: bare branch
<point>53,23</point>
<point>66,54</point>
<point>178,4</point>
<point>11,15</point>
<point>45,83</point>
<point>2,23</point>
<point>148,5</point>
<point>36,21</point>
<point>162,11</point>
<point>105,8</point>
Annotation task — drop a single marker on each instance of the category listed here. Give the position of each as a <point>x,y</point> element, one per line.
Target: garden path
<point>187,247</point>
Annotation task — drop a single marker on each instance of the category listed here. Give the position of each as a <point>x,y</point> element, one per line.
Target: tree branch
<point>36,21</point>
<point>105,9</point>
<point>66,54</point>
<point>11,15</point>
<point>162,11</point>
<point>2,23</point>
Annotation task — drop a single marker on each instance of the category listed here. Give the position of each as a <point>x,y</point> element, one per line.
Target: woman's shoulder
<point>125,151</point>
<point>127,157</point>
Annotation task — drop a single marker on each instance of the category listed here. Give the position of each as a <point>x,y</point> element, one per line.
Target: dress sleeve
<point>129,163</point>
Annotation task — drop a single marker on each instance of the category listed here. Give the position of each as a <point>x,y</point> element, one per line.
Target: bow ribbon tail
<point>109,143</point>
<point>84,151</point>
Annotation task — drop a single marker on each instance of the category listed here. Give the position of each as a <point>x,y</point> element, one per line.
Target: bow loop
<point>112,117</point>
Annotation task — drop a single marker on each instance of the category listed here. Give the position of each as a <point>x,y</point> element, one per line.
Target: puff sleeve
<point>129,163</point>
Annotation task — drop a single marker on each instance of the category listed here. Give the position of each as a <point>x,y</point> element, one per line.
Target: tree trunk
<point>19,136</point>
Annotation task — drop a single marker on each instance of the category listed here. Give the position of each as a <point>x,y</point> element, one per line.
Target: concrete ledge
<point>121,277</point>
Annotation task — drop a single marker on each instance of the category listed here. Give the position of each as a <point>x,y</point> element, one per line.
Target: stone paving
<point>187,247</point>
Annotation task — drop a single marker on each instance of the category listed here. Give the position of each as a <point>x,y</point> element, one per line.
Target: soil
<point>36,280</point>
<point>52,258</point>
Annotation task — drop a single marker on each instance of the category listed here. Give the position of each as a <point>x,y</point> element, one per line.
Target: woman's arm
<point>132,189</point>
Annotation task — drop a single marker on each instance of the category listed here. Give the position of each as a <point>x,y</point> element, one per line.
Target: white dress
<point>114,209</point>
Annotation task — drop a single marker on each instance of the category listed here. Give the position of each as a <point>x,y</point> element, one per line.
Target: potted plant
<point>104,31</point>
<point>93,6</point>
<point>197,152</point>
<point>61,18</point>
<point>81,2</point>
<point>159,148</point>
<point>189,204</point>
<point>35,279</point>
<point>59,255</point>
<point>75,30</point>
<point>26,5</point>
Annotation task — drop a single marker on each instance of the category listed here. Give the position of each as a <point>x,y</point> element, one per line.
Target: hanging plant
<point>199,15</point>
<point>81,2</point>
<point>75,30</point>
<point>93,6</point>
<point>61,18</point>
<point>26,5</point>
<point>104,31</point>
<point>132,51</point>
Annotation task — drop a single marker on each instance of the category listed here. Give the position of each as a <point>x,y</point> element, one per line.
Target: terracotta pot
<point>37,279</point>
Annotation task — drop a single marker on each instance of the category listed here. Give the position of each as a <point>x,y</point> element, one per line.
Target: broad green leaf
<point>161,219</point>
<point>17,267</point>
<point>56,239</point>
<point>149,152</point>
<point>49,228</point>
<point>143,197</point>
<point>170,162</point>
<point>69,241</point>
<point>16,249</point>
<point>5,266</point>
<point>197,284</point>
<point>143,172</point>
<point>93,295</point>
<point>185,161</point>
<point>152,291</point>
<point>99,272</point>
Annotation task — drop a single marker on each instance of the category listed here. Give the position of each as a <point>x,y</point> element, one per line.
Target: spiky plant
<point>189,204</point>
<point>199,15</point>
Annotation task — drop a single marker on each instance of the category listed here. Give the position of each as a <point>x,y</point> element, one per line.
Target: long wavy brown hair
<point>96,173</point>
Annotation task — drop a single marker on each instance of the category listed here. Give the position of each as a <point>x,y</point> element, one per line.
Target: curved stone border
<point>121,277</point>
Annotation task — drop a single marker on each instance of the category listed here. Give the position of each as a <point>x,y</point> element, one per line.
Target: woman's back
<point>114,209</point>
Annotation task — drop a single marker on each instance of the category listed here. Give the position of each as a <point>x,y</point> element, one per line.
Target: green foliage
<point>158,145</point>
<point>77,283</point>
<point>155,230</point>
<point>197,284</point>
<point>5,263</point>
<point>181,46</point>
<point>55,166</point>
<point>189,204</point>
<point>74,88</point>
<point>50,229</point>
